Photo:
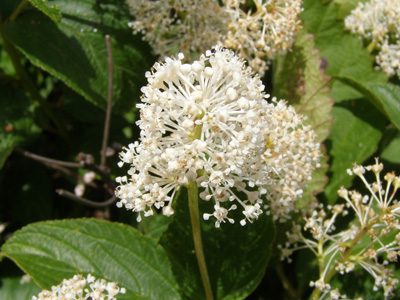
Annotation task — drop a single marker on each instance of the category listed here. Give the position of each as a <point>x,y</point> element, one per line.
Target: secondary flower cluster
<point>81,288</point>
<point>379,22</point>
<point>372,241</point>
<point>186,26</point>
<point>257,34</point>
<point>209,122</point>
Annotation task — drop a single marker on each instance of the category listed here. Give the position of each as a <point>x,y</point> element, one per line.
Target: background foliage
<point>53,95</point>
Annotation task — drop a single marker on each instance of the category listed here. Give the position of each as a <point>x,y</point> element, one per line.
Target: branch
<point>109,104</point>
<point>85,201</point>
<point>47,160</point>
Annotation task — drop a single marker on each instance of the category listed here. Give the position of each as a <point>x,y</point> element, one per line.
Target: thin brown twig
<point>109,105</point>
<point>85,201</point>
<point>85,162</point>
<point>47,160</point>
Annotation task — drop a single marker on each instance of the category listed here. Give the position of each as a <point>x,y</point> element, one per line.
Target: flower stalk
<point>196,232</point>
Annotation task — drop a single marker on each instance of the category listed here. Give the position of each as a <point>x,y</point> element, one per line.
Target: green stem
<point>29,85</point>
<point>371,47</point>
<point>285,280</point>
<point>196,231</point>
<point>16,12</point>
<point>332,272</point>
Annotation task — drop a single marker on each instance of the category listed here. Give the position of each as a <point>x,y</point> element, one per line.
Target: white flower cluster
<point>388,58</point>
<point>379,22</point>
<point>81,288</point>
<point>261,34</point>
<point>192,26</point>
<point>209,122</point>
<point>186,26</point>
<point>372,241</point>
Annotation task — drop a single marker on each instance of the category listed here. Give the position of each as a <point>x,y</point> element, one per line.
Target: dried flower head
<point>81,288</point>
<point>187,26</point>
<point>209,122</point>
<point>371,242</point>
<point>260,33</point>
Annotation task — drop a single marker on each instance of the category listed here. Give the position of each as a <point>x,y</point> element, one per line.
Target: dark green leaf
<point>16,119</point>
<point>30,198</point>
<point>356,132</point>
<point>7,8</point>
<point>74,49</point>
<point>12,288</point>
<point>343,51</point>
<point>54,250</point>
<point>236,255</point>
<point>51,10</point>
<point>392,151</point>
<point>385,97</point>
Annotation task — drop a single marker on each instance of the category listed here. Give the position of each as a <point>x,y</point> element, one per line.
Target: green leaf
<point>343,51</point>
<point>356,132</point>
<point>16,119</point>
<point>300,79</point>
<point>154,227</point>
<point>52,10</point>
<point>236,255</point>
<point>11,288</point>
<point>385,97</point>
<point>346,6</point>
<point>392,150</point>
<point>74,50</point>
<point>54,250</point>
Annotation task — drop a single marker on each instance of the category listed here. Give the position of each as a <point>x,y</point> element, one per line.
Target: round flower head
<point>187,26</point>
<point>81,288</point>
<point>268,29</point>
<point>375,20</point>
<point>209,122</point>
<point>379,22</point>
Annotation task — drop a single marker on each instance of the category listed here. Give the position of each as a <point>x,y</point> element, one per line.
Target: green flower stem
<point>371,47</point>
<point>28,84</point>
<point>196,231</point>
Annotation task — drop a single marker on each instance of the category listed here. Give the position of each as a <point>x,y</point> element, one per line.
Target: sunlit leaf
<point>54,250</point>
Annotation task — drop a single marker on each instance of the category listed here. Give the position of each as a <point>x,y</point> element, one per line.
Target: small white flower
<point>89,176</point>
<point>79,190</point>
<point>81,288</point>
